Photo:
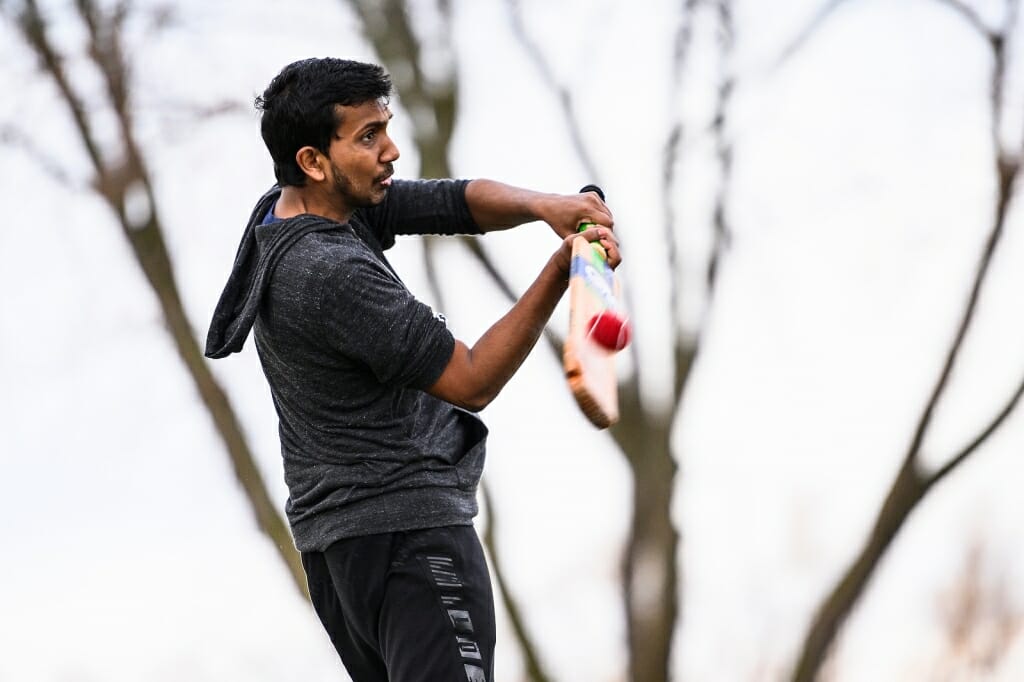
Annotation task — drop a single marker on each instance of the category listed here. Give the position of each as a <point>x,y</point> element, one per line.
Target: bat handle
<point>583,226</point>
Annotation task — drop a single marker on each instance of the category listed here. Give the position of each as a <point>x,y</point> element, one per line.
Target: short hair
<point>299,107</point>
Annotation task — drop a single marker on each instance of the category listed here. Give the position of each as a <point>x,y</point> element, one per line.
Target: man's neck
<point>299,200</point>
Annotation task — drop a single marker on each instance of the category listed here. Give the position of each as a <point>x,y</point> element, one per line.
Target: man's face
<point>362,155</point>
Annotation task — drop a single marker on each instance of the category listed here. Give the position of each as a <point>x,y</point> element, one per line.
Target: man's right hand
<point>562,259</point>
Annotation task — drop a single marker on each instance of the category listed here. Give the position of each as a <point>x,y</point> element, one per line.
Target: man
<point>376,399</point>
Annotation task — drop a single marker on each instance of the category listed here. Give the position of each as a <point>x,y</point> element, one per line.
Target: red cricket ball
<point>610,329</point>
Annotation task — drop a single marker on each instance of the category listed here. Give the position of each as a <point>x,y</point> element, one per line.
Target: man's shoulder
<point>332,241</point>
<point>317,255</point>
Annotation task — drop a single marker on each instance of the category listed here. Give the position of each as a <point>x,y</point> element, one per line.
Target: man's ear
<point>312,163</point>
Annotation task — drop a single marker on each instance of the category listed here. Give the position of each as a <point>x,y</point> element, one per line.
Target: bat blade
<point>589,366</point>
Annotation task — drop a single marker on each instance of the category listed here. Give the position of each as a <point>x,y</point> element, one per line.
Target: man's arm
<point>497,206</point>
<point>474,376</point>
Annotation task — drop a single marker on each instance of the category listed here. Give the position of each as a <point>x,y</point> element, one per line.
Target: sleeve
<point>421,207</point>
<point>370,317</point>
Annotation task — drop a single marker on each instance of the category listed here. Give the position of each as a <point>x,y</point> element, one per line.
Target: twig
<point>534,668</point>
<point>670,158</point>
<point>808,31</point>
<point>15,137</point>
<point>562,95</point>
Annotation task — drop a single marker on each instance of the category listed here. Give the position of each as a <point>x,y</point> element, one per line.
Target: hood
<point>259,252</point>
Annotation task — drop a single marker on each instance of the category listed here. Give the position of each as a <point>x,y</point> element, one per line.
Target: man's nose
<point>390,153</point>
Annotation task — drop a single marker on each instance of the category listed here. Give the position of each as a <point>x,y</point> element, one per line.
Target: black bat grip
<point>595,189</point>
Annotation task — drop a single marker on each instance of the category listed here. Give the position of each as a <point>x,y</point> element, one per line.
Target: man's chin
<point>372,198</point>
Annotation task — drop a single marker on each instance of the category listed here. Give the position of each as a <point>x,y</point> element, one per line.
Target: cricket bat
<point>598,329</point>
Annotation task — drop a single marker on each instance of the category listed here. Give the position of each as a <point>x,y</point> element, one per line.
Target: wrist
<point>539,206</point>
<point>558,267</point>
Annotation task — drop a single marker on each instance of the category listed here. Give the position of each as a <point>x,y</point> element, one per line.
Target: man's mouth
<point>385,179</point>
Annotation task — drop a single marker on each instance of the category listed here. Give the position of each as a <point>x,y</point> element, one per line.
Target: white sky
<point>862,194</point>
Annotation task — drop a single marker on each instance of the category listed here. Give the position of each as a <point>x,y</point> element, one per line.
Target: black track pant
<point>406,607</point>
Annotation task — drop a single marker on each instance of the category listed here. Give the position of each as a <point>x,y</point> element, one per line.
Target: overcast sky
<point>862,194</point>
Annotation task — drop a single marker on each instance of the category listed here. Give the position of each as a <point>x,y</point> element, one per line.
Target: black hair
<point>299,107</point>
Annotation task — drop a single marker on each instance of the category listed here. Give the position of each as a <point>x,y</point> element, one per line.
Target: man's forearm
<point>497,355</point>
<point>476,375</point>
<point>497,206</point>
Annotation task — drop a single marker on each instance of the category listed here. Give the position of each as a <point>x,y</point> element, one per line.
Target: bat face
<point>588,358</point>
<point>590,265</point>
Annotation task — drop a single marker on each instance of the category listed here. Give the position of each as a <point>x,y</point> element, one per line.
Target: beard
<point>349,194</point>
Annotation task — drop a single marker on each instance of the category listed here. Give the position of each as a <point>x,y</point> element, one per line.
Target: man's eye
<point>368,137</point>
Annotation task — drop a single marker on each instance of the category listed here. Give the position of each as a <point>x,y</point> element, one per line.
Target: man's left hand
<point>565,212</point>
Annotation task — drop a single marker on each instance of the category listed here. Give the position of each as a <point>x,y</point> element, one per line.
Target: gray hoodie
<point>348,351</point>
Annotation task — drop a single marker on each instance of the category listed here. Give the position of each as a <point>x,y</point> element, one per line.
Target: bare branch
<point>105,49</point>
<point>978,440</point>
<point>683,40</point>
<point>476,249</point>
<point>1006,174</point>
<point>534,669</point>
<point>561,94</point>
<point>568,109</point>
<point>15,137</point>
<point>670,159</point>
<point>430,266</point>
<point>808,31</point>
<point>387,26</point>
<point>33,28</point>
<point>195,112</point>
<point>723,147</point>
<point>970,14</point>
<point>911,485</point>
<point>903,496</point>
<point>144,234</point>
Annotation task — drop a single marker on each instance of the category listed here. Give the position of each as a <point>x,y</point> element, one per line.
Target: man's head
<point>316,104</point>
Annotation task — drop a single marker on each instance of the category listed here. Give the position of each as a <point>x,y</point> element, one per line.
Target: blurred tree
<point>122,180</point>
<point>979,618</point>
<point>650,573</point>
<point>914,481</point>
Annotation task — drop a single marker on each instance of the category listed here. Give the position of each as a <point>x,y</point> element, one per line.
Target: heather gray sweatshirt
<point>348,351</point>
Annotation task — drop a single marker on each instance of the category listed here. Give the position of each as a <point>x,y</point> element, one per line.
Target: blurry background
<point>817,473</point>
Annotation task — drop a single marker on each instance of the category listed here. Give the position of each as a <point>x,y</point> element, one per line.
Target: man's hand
<point>600,234</point>
<point>565,212</point>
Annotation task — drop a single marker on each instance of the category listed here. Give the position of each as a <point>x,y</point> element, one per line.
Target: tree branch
<point>534,668</point>
<point>911,485</point>
<point>17,138</point>
<point>562,96</point>
<point>145,236</point>
<point>807,32</point>
<point>33,28</point>
<point>723,148</point>
<point>970,15</point>
<point>1006,173</point>
<point>568,110</point>
<point>978,440</point>
<point>671,150</point>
